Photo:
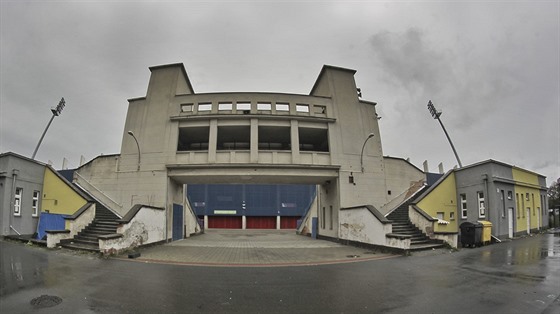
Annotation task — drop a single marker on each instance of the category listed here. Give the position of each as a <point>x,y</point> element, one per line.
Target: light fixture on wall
<point>362,154</point>
<point>137,145</point>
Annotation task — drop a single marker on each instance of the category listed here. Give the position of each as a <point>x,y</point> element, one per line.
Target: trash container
<point>486,232</point>
<point>471,234</point>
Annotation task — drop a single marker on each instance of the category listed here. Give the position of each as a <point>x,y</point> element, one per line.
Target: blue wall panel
<point>251,199</point>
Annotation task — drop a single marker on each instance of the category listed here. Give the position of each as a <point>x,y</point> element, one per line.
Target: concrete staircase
<point>403,226</point>
<point>105,222</point>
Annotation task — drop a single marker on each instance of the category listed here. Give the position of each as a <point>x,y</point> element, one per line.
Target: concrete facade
<point>248,138</point>
<point>21,186</point>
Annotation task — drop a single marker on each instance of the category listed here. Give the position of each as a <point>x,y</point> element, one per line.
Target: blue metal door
<point>177,222</point>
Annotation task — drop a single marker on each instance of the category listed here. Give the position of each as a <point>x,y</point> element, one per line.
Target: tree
<point>553,194</point>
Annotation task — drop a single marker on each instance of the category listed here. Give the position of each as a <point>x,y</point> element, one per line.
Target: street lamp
<point>56,112</point>
<point>364,146</point>
<point>137,145</point>
<point>435,115</point>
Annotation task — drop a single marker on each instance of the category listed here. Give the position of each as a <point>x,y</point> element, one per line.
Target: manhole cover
<point>352,256</point>
<point>45,301</point>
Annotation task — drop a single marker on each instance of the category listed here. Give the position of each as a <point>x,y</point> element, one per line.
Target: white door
<point>528,220</point>
<point>510,222</point>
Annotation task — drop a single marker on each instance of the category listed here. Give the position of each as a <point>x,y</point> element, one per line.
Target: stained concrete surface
<point>521,276</point>
<point>223,247</point>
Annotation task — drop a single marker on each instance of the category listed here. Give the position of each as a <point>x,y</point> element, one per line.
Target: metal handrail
<point>98,190</point>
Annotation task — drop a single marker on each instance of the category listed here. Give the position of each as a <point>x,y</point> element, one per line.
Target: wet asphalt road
<point>521,276</point>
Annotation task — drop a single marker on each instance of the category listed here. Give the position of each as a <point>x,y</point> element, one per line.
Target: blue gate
<point>177,222</point>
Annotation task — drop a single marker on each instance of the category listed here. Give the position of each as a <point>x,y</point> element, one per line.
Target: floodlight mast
<point>56,112</point>
<point>436,114</point>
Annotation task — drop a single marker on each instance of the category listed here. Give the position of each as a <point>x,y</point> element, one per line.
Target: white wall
<point>360,225</point>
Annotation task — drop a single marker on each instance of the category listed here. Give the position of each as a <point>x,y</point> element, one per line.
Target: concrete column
<point>295,141</point>
<point>277,222</point>
<point>212,141</point>
<point>254,140</point>
<point>426,168</point>
<point>243,222</point>
<point>205,222</point>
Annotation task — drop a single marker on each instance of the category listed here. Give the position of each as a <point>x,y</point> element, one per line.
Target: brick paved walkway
<point>222,247</point>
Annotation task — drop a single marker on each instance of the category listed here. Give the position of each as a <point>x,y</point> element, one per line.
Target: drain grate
<point>45,301</point>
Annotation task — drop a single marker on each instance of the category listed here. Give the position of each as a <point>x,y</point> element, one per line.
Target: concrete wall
<point>400,175</point>
<point>17,171</point>
<point>119,189</point>
<point>359,225</point>
<point>328,209</point>
<point>147,226</point>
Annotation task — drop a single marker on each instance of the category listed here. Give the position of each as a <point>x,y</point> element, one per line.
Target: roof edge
<point>174,65</point>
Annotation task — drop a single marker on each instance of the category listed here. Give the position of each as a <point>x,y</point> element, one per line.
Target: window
<point>17,202</point>
<point>452,216</point>
<point>463,198</point>
<point>274,138</point>
<point>193,138</point>
<point>538,211</point>
<point>234,138</point>
<point>280,106</point>
<point>323,220</point>
<point>440,215</point>
<point>504,212</point>
<point>205,107</point>
<point>313,139</point>
<point>330,217</point>
<point>517,203</point>
<point>243,106</point>
<point>35,204</point>
<point>264,106</point>
<point>302,108</point>
<point>320,110</point>
<point>186,107</point>
<point>225,106</point>
<point>526,196</point>
<point>509,195</point>
<point>481,206</point>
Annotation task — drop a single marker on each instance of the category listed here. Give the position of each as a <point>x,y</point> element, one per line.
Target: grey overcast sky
<point>492,67</point>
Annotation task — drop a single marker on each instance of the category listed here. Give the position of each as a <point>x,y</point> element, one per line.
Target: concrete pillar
<point>277,222</point>
<point>205,222</point>
<point>295,141</point>
<point>254,140</point>
<point>212,141</point>
<point>440,168</point>
<point>243,222</point>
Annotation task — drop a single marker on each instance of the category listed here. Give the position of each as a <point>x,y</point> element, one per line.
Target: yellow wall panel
<point>522,176</point>
<point>58,197</point>
<point>443,198</point>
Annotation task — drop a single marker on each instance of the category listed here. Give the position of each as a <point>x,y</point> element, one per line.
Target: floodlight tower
<point>435,115</point>
<point>56,112</point>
